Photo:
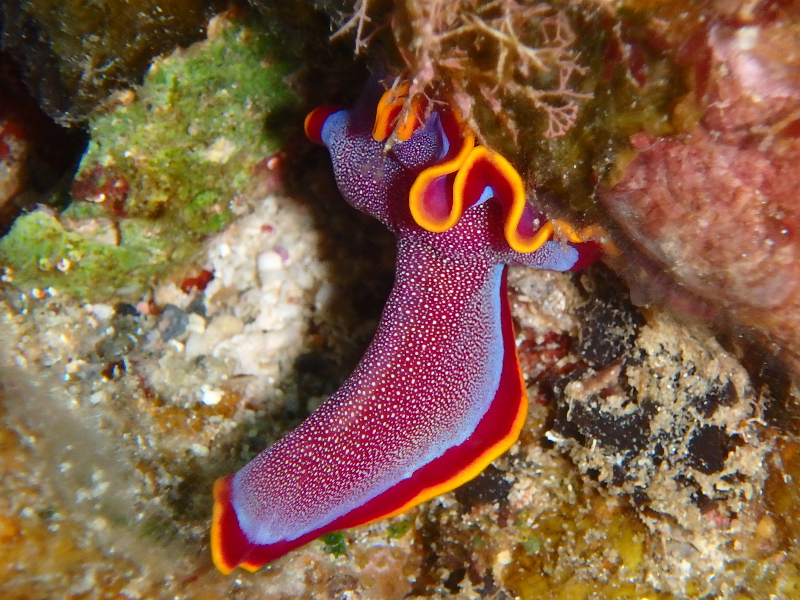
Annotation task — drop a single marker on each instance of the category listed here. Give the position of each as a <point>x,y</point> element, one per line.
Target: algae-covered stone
<point>189,141</point>
<point>46,254</point>
<point>165,166</point>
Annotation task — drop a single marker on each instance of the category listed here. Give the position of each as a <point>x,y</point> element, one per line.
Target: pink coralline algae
<point>715,210</point>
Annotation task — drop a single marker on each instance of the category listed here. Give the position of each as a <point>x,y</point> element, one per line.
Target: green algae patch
<point>190,140</point>
<point>335,543</point>
<point>40,252</point>
<point>165,167</point>
<point>396,531</point>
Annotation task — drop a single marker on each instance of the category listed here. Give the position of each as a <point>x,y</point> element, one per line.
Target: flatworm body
<point>439,393</point>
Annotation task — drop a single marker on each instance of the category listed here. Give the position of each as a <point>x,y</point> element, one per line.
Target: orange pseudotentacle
<point>395,115</point>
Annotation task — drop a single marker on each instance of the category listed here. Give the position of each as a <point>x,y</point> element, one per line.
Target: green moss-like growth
<point>395,531</point>
<point>335,543</point>
<point>42,253</point>
<point>190,141</point>
<point>164,167</point>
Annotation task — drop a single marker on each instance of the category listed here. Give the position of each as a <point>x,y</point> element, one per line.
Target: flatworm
<point>439,393</point>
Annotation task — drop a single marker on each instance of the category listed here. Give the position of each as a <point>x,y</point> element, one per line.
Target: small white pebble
<point>210,396</point>
<point>269,261</point>
<point>220,151</point>
<point>100,489</point>
<point>323,296</point>
<point>63,265</point>
<point>74,366</point>
<point>199,450</point>
<point>97,397</point>
<point>170,293</point>
<point>103,312</point>
<point>197,324</point>
<point>503,558</point>
<point>223,250</point>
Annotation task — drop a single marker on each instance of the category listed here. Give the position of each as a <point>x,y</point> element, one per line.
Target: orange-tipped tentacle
<point>397,116</point>
<point>413,118</point>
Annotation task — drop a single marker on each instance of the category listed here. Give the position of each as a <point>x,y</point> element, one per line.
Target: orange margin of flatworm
<point>593,232</point>
<point>216,533</point>
<point>474,469</point>
<point>222,496</point>
<point>250,566</point>
<point>476,466</point>
<point>417,194</point>
<point>514,214</point>
<point>565,230</point>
